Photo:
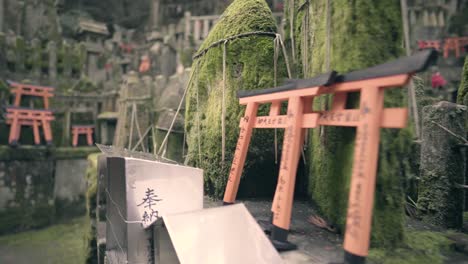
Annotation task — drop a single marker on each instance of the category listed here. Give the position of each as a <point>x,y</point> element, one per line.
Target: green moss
<point>363,34</point>
<point>63,243</point>
<point>463,90</point>
<point>24,153</point>
<point>26,217</point>
<point>91,178</point>
<point>74,153</point>
<point>91,192</point>
<point>248,64</point>
<point>419,247</point>
<point>42,153</point>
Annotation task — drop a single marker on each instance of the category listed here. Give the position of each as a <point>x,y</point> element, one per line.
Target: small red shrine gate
<point>33,90</point>
<point>18,117</point>
<point>455,44</point>
<point>82,130</point>
<point>368,119</point>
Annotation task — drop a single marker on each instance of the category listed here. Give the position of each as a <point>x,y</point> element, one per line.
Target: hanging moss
<point>462,97</point>
<point>363,34</point>
<point>249,62</point>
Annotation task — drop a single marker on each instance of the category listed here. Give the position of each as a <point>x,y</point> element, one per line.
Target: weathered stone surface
<point>442,165</point>
<point>26,194</point>
<point>70,187</point>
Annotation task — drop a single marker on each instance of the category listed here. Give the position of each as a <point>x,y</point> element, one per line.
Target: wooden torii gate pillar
<point>368,119</point>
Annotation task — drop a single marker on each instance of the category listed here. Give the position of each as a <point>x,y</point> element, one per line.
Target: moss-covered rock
<point>419,247</point>
<point>443,165</point>
<point>363,34</point>
<point>249,62</point>
<point>26,194</point>
<point>462,97</point>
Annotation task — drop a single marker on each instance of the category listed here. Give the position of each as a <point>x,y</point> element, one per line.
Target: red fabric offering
<point>438,80</point>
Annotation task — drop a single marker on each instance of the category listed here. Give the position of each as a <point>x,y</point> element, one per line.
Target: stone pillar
<point>433,19</point>
<point>441,19</point>
<point>188,28</point>
<point>66,128</point>
<point>52,49</point>
<point>425,19</point>
<point>197,30</point>
<point>20,54</point>
<point>155,16</point>
<point>92,65</point>
<point>19,17</point>
<point>36,57</point>
<point>412,18</point>
<point>443,164</point>
<point>3,52</point>
<point>67,60</point>
<point>2,14</point>
<point>206,28</point>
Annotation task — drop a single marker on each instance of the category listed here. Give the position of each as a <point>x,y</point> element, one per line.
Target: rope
<point>183,143</point>
<point>140,141</point>
<point>451,133</point>
<point>411,87</point>
<point>203,52</point>
<point>223,107</point>
<point>138,126</point>
<point>328,40</point>
<point>291,29</point>
<point>305,39</point>
<point>153,138</point>
<point>131,127</point>
<point>243,35</point>
<point>120,212</point>
<point>285,55</point>
<point>275,66</point>
<point>163,144</point>
<point>198,118</point>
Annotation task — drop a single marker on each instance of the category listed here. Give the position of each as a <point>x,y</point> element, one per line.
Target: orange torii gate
<point>17,117</point>
<point>78,130</point>
<point>33,90</point>
<point>368,119</point>
<point>456,44</point>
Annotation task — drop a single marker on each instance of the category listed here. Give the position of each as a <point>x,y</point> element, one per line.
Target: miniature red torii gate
<point>20,89</point>
<point>18,117</point>
<point>82,130</point>
<point>429,44</point>
<point>368,119</point>
<point>456,44</point>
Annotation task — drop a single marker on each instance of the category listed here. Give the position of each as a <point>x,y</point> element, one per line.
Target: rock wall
<point>39,186</point>
<point>26,193</point>
<point>70,187</point>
